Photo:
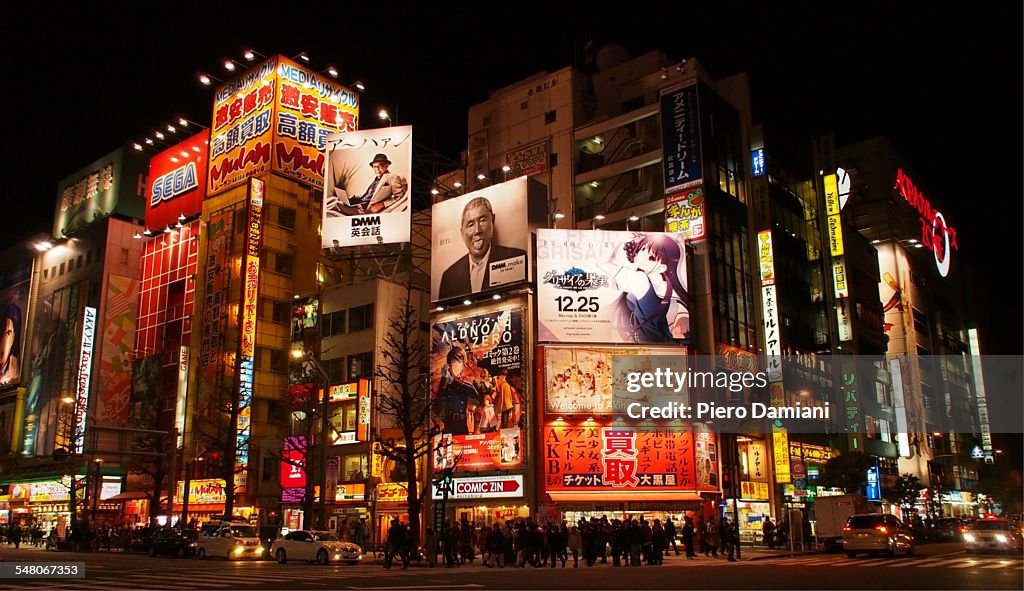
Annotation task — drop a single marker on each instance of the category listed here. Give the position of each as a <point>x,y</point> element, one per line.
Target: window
<point>268,470</point>
<point>524,105</point>
<point>334,323</point>
<point>343,422</point>
<point>633,104</point>
<point>283,263</point>
<point>79,263</point>
<point>88,257</point>
<point>550,117</point>
<point>361,318</point>
<point>286,217</point>
<point>335,369</point>
<point>360,366</point>
<point>354,468</point>
<point>278,360</point>
<point>46,274</point>
<point>281,312</point>
<point>920,321</point>
<point>62,268</point>
<point>552,160</point>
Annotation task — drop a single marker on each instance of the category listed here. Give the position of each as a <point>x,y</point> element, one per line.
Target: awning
<point>132,495</point>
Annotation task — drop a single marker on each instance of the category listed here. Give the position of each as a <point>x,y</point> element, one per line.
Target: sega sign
<point>177,181</point>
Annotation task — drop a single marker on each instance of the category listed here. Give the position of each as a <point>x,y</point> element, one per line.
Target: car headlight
<point>1001,538</point>
<point>193,545</point>
<point>337,556</point>
<point>239,549</point>
<point>969,538</point>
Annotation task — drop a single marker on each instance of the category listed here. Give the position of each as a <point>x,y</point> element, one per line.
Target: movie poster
<point>479,391</point>
<point>598,286</point>
<point>14,307</point>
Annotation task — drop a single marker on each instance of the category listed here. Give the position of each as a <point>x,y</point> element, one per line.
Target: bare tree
<point>218,439</point>
<point>149,445</point>
<point>403,399</point>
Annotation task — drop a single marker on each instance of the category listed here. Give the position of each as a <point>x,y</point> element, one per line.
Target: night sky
<point>946,88</point>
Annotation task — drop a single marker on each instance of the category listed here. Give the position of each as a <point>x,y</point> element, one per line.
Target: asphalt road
<point>940,566</point>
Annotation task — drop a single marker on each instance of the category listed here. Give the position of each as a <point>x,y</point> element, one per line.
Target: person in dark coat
<point>688,539</point>
<point>670,535</point>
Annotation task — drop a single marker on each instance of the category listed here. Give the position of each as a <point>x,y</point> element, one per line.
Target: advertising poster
<point>618,463</point>
<point>597,286</point>
<point>7,409</point>
<point>367,196</point>
<point>54,347</point>
<point>309,108</point>
<point>241,135</point>
<point>115,359</point>
<point>705,446</point>
<point>684,214</point>
<point>479,391</point>
<point>527,160</point>
<point>13,322</point>
<point>680,133</point>
<point>293,475</point>
<point>579,380</point>
<point>112,184</point>
<point>480,240</point>
<point>177,181</point>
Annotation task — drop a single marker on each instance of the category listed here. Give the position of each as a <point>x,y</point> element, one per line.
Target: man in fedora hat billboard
<point>386,188</point>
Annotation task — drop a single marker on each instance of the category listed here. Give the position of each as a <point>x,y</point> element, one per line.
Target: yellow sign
<point>276,116</point>
<point>753,491</point>
<point>780,449</point>
<point>766,257</point>
<point>377,461</point>
<point>831,195</point>
<point>839,278</point>
<point>41,492</point>
<point>816,454</point>
<point>339,392</point>
<point>203,492</point>
<point>392,491</point>
<point>835,235</point>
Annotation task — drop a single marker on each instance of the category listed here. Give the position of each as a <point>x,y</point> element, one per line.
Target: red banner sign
<point>177,181</point>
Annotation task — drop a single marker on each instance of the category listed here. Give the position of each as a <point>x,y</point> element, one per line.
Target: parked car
<point>876,533</point>
<point>229,540</point>
<point>948,528</point>
<point>993,534</point>
<point>321,547</point>
<point>180,543</point>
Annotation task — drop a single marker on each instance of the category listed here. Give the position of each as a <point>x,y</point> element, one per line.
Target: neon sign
<point>936,234</point>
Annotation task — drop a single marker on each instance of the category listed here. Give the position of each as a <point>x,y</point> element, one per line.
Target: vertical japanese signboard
<point>84,376</point>
<point>680,130</point>
<point>247,326</point>
<point>241,135</point>
<point>769,307</point>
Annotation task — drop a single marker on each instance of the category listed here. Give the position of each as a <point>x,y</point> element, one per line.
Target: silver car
<point>877,533</point>
<point>993,534</point>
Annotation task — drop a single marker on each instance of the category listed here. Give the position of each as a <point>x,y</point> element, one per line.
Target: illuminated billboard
<point>680,133</point>
<point>580,380</point>
<point>84,376</point>
<point>112,184</point>
<point>249,314</point>
<point>684,213</point>
<point>177,181</point>
<point>276,116</point>
<point>479,390</point>
<point>14,290</point>
<point>480,241</point>
<point>596,462</point>
<point>367,197</point>
<point>598,286</point>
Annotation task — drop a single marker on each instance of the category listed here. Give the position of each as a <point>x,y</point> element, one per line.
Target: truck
<point>831,514</point>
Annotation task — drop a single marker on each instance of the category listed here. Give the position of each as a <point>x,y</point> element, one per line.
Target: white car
<point>993,534</point>
<point>229,541</point>
<point>322,547</point>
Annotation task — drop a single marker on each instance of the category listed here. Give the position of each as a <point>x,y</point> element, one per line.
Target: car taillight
<point>882,529</point>
<point>961,529</point>
<point>846,528</point>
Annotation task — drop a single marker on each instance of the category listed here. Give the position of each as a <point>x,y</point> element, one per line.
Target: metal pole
<point>323,452</point>
<point>96,486</point>
<point>172,475</point>
<point>184,494</point>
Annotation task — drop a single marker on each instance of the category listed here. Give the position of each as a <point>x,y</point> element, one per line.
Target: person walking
<point>711,538</point>
<point>430,547</point>
<point>670,535</point>
<point>575,545</point>
<point>659,542</point>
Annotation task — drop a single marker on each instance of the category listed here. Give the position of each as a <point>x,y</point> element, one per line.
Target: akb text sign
<point>484,487</point>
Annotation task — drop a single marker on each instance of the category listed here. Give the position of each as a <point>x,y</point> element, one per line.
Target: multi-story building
<point>72,415</point>
<point>923,290</point>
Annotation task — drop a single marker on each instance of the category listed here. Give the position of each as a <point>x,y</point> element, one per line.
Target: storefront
<point>751,515</point>
<point>484,500</point>
<point>205,500</point>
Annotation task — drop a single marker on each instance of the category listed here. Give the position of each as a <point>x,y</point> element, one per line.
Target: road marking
<point>970,563</point>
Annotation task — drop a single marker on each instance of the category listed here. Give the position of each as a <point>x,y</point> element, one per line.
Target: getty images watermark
<point>664,393</point>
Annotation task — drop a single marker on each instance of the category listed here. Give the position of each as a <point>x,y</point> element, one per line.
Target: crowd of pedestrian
<point>522,543</point>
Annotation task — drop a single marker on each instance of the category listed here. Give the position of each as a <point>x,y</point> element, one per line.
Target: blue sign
<point>977,453</point>
<point>874,486</point>
<point>757,161</point>
<point>680,134</point>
